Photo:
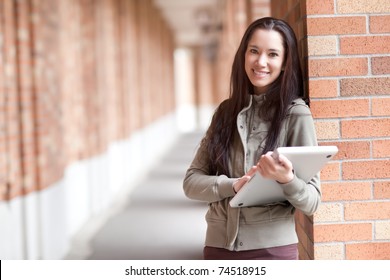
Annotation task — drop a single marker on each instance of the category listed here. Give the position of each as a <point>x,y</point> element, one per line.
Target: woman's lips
<point>260,74</point>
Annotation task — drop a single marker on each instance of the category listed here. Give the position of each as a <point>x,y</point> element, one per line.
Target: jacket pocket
<point>253,215</point>
<point>216,211</point>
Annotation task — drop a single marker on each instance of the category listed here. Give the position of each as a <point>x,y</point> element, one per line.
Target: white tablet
<point>307,162</point>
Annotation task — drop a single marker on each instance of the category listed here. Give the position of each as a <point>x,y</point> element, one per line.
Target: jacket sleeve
<point>198,184</point>
<point>301,132</point>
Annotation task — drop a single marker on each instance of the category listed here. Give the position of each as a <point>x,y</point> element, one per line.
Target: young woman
<point>267,108</point>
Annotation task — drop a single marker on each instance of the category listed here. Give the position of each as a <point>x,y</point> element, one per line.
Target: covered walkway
<point>94,92</point>
<point>156,221</point>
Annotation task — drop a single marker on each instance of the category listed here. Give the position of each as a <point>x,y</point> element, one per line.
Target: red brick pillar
<point>349,83</point>
<point>346,48</point>
<point>235,20</point>
<point>11,167</point>
<point>75,77</point>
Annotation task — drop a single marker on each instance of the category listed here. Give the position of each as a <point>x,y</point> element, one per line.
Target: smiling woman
<point>265,110</point>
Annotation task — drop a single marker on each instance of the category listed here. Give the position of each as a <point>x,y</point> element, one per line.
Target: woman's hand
<point>280,169</point>
<point>237,185</point>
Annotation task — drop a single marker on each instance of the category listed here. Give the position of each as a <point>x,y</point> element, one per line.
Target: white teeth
<point>260,73</point>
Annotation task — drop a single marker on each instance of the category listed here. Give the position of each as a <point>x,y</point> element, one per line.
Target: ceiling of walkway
<point>190,20</point>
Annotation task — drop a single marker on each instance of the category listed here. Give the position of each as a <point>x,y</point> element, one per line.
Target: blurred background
<point>103,103</point>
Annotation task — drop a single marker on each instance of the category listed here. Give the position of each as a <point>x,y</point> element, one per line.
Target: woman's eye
<point>253,51</point>
<point>273,54</point>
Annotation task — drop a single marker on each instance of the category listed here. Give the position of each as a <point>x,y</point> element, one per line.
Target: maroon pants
<point>288,252</point>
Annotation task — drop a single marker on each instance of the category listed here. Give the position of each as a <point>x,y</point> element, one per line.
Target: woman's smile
<point>260,74</point>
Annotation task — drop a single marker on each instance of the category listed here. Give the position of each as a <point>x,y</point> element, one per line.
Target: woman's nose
<point>262,60</point>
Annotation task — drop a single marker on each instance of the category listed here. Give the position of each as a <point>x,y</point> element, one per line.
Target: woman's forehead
<point>266,39</point>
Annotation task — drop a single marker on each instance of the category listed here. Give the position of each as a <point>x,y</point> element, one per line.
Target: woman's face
<point>264,59</point>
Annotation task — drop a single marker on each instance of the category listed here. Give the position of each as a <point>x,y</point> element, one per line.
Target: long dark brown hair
<point>287,87</point>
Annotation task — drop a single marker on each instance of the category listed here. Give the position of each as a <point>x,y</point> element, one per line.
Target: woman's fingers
<point>279,169</point>
<point>285,162</point>
<point>241,181</point>
<point>252,171</point>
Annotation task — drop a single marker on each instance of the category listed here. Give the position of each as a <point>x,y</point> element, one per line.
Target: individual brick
<point>380,106</point>
<point>380,65</point>
<point>334,67</point>
<point>362,6</point>
<point>368,251</point>
<point>329,212</point>
<point>330,172</point>
<point>329,251</point>
<point>346,191</point>
<point>336,25</point>
<point>364,86</point>
<point>380,24</point>
<point>382,190</point>
<point>372,210</point>
<point>381,148</point>
<point>340,108</point>
<point>368,169</point>
<point>365,45</point>
<point>382,230</point>
<point>322,45</point>
<point>379,127</point>
<point>342,232</point>
<point>313,7</point>
<point>323,88</point>
<point>327,130</point>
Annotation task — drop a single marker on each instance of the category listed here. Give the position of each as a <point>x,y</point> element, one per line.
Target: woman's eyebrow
<point>274,50</point>
<point>271,50</point>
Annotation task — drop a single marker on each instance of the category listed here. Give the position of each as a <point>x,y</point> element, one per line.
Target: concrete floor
<point>156,221</point>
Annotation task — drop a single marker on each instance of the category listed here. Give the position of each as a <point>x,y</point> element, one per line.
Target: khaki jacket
<point>263,226</point>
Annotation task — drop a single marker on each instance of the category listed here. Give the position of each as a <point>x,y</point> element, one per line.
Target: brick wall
<point>69,83</point>
<point>349,84</point>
